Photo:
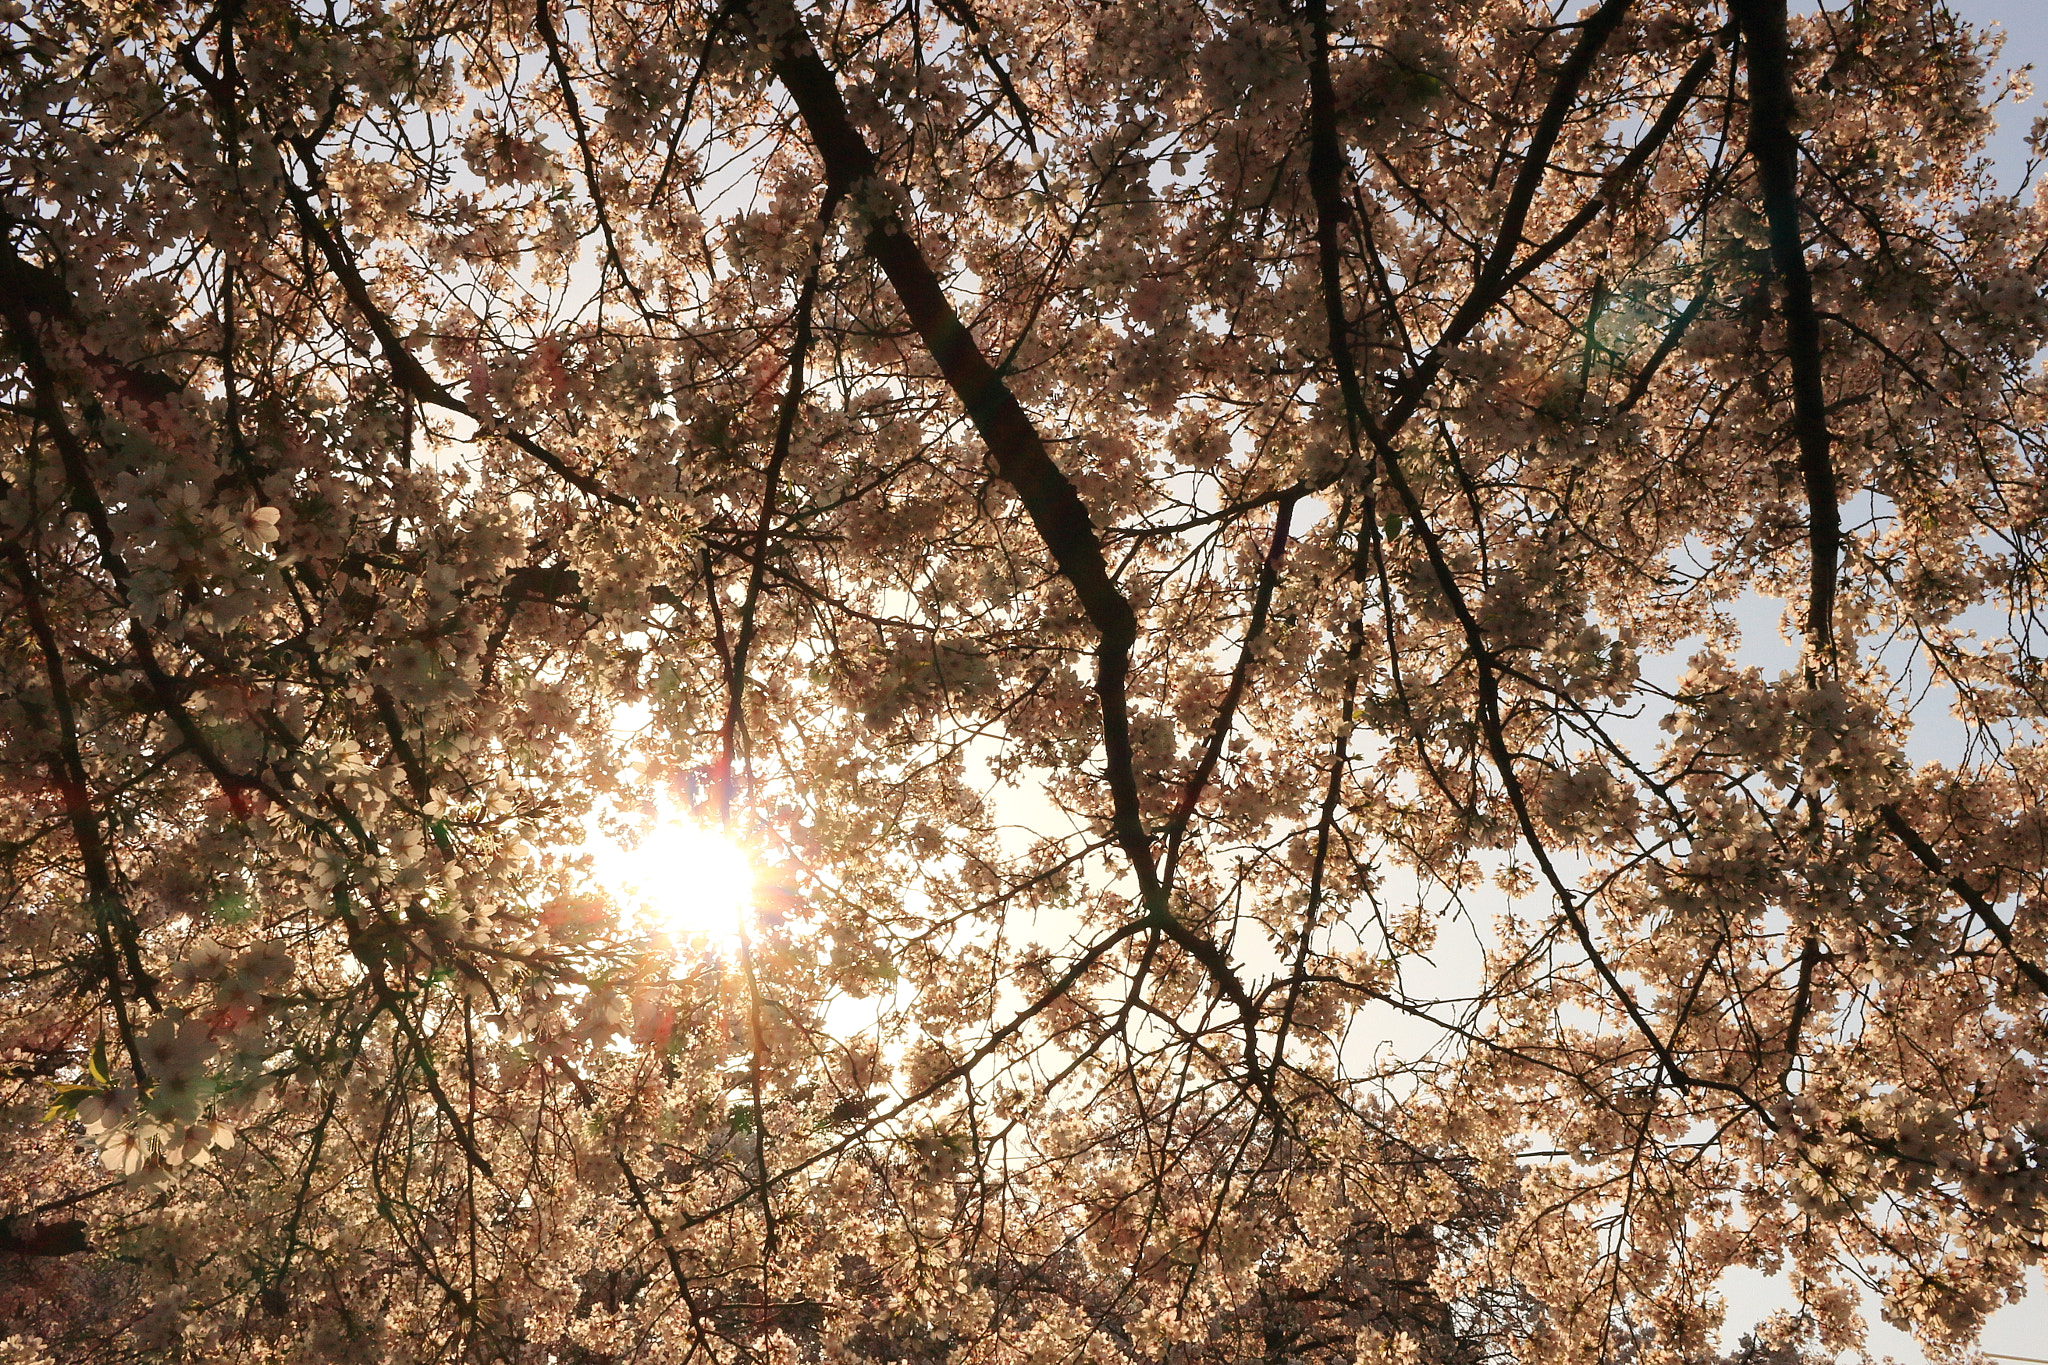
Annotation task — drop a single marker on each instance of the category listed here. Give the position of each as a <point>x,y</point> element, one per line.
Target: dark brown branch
<point>962,13</point>
<point>1968,894</point>
<point>1497,275</point>
<point>71,453</point>
<point>785,428</point>
<point>1640,385</point>
<point>1575,71</point>
<point>416,777</point>
<point>1049,497</point>
<point>965,1066</point>
<point>32,298</point>
<point>1019,451</point>
<point>1326,824</point>
<point>1326,186</point>
<point>675,1260</point>
<point>545,23</point>
<point>63,1238</point>
<point>1776,149</point>
<point>1500,272</point>
<point>406,369</point>
<point>1802,1000</point>
<point>1226,714</point>
<point>771,480</point>
<point>390,999</point>
<point>1612,183</point>
<point>67,770</point>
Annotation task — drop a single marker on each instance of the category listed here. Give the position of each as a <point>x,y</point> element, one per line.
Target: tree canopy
<point>1201,554</point>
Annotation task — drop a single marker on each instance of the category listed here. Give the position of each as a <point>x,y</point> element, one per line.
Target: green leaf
<point>66,1103</point>
<point>230,907</point>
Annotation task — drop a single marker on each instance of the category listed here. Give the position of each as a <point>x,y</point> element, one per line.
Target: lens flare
<point>680,879</point>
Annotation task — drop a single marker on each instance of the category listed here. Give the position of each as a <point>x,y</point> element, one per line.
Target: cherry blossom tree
<point>1200,551</point>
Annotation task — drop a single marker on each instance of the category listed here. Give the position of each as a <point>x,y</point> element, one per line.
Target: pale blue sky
<point>2026,43</point>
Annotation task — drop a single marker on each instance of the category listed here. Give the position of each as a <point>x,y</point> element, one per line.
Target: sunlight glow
<point>680,879</point>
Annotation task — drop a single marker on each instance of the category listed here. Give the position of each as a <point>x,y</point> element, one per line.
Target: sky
<point>2025,24</point>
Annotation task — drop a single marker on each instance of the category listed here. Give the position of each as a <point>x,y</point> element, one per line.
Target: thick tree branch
<point>1623,172</point>
<point>32,298</point>
<point>1326,824</point>
<point>71,452</point>
<point>63,1238</point>
<point>1497,275</point>
<point>1675,333</point>
<point>392,1000</point>
<point>771,484</point>
<point>1576,70</point>
<point>1049,497</point>
<point>1326,186</point>
<point>406,369</point>
<point>736,685</point>
<point>1776,149</point>
<point>989,1047</point>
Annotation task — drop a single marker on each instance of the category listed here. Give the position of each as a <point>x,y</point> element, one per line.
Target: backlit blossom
<point>1016,684</point>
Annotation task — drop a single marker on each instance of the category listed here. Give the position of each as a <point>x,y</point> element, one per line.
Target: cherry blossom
<point>1367,679</point>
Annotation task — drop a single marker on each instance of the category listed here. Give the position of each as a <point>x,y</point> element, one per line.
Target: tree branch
<point>1968,894</point>
<point>1776,150</point>
<point>406,369</point>
<point>1049,497</point>
<point>67,770</point>
<point>545,23</point>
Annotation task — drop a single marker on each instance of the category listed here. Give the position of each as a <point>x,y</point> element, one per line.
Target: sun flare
<point>680,879</point>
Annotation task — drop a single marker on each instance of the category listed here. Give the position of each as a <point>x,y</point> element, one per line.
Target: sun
<point>681,879</point>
